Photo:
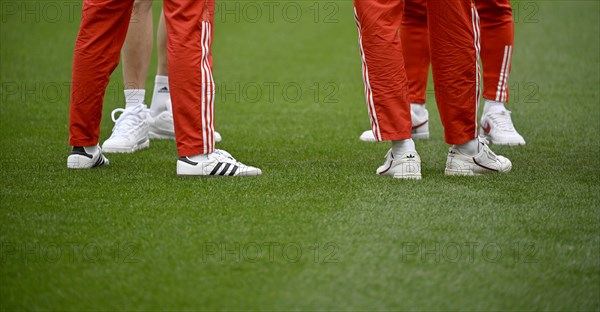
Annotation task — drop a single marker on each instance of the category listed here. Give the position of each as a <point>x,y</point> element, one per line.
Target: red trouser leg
<point>101,35</point>
<point>384,76</point>
<point>453,34</point>
<point>190,77</point>
<point>415,47</point>
<point>497,39</point>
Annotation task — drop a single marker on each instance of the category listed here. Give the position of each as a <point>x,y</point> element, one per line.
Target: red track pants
<point>497,37</point>
<point>101,35</point>
<point>453,34</point>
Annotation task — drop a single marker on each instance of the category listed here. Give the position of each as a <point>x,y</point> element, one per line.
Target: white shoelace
<point>225,157</point>
<point>502,121</point>
<point>128,120</point>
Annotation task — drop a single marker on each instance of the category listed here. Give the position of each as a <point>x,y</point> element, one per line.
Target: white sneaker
<point>162,127</point>
<point>407,166</point>
<point>498,128</point>
<point>420,129</point>
<point>367,136</point>
<point>80,158</point>
<point>218,163</point>
<point>484,162</point>
<point>130,132</point>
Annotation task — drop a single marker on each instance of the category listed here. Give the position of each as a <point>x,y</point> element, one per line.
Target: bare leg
<point>161,38</point>
<point>137,50</point>
<point>161,94</point>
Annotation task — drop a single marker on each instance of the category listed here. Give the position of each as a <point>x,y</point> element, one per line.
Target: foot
<point>130,132</point>
<point>420,129</point>
<point>217,163</point>
<point>484,162</point>
<point>498,128</point>
<point>83,158</point>
<point>161,127</point>
<point>407,166</point>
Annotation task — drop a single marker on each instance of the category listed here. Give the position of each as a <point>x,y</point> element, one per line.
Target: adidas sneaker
<point>217,163</point>
<point>498,128</point>
<point>407,166</point>
<point>84,158</point>
<point>486,161</point>
<point>130,132</point>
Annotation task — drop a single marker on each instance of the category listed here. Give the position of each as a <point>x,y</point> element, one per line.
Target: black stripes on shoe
<point>220,169</point>
<point>223,172</point>
<point>99,162</point>
<point>214,171</point>
<point>225,169</point>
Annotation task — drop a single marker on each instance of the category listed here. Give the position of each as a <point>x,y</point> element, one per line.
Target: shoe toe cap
<point>367,136</point>
<point>505,164</point>
<point>250,171</point>
<point>217,137</point>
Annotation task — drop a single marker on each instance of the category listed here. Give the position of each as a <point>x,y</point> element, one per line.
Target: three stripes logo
<point>78,150</point>
<point>220,169</point>
<point>163,90</point>
<point>217,171</point>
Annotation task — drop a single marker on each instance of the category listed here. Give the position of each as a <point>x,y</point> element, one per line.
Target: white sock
<point>418,109</point>
<point>490,106</point>
<point>470,148</point>
<point>134,97</point>
<point>91,149</point>
<point>199,158</point>
<point>160,95</point>
<point>400,147</point>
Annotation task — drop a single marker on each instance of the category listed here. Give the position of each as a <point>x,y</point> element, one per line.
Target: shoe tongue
<point>223,156</point>
<point>495,110</point>
<point>132,106</point>
<point>487,151</point>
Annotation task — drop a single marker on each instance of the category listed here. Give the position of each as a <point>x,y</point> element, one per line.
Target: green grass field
<point>319,230</point>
